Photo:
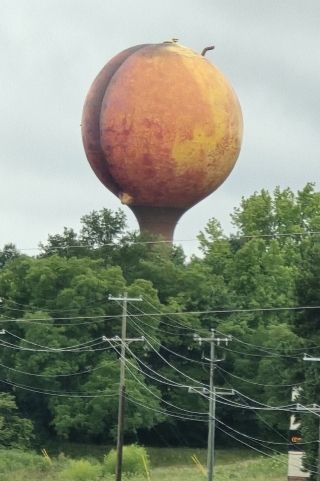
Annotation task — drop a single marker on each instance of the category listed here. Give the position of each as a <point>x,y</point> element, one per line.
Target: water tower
<point>162,129</point>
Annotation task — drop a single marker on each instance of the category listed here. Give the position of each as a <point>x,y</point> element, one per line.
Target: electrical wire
<point>182,326</point>
<point>280,454</point>
<point>152,393</point>
<point>175,407</point>
<point>266,348</point>
<point>262,348</point>
<point>258,450</point>
<point>21,348</point>
<point>309,409</point>
<point>36,308</point>
<point>169,413</point>
<point>273,356</point>
<point>150,316</point>
<point>267,408</point>
<point>54,393</point>
<point>212,311</point>
<point>227,402</point>
<point>259,384</point>
<point>83,344</point>
<point>166,381</point>
<point>219,423</point>
<point>224,238</point>
<point>261,406</point>
<point>203,363</point>
<point>263,441</point>
<point>257,414</point>
<point>166,412</point>
<point>146,335</point>
<point>173,367</point>
<point>187,414</point>
<point>55,375</point>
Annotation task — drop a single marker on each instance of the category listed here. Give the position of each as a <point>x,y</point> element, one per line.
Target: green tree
<point>8,252</point>
<point>97,238</point>
<point>62,359</point>
<point>15,431</point>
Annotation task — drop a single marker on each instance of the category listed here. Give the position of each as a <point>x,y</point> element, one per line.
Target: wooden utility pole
<point>212,398</point>
<point>122,386</point>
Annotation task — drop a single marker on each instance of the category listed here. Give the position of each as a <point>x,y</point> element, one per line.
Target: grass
<point>236,464</point>
<point>167,464</point>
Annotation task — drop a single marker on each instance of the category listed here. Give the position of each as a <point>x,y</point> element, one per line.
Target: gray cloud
<point>51,51</point>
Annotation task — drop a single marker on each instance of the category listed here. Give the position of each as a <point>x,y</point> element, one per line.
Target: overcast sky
<point>51,50</point>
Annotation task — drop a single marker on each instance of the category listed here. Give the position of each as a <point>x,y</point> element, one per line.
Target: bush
<point>80,470</point>
<point>132,462</point>
<point>15,459</point>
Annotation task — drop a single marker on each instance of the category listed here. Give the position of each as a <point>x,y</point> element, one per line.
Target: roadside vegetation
<point>165,465</point>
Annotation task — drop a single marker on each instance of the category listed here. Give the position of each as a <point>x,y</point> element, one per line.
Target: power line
<point>160,241</point>
<point>260,384</point>
<point>254,408</point>
<point>173,367</point>
<point>187,414</point>
<point>271,356</point>
<point>169,413</point>
<point>262,406</point>
<point>55,393</point>
<point>153,394</point>
<point>203,363</point>
<point>255,449</point>
<point>266,348</point>
<point>157,328</point>
<point>192,360</point>
<point>165,380</point>
<point>211,311</point>
<point>164,411</point>
<point>33,308</point>
<point>262,348</point>
<point>76,346</point>
<point>56,375</point>
<point>257,414</point>
<point>263,385</point>
<point>52,351</point>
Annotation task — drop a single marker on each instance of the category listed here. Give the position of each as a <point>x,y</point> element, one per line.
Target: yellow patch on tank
<point>194,152</point>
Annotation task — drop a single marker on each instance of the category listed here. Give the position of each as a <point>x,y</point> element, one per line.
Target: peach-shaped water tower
<point>162,129</point>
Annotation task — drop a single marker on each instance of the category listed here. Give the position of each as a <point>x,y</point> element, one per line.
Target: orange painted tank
<point>162,129</point>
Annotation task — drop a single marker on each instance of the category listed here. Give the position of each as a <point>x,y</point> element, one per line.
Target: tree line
<point>261,285</point>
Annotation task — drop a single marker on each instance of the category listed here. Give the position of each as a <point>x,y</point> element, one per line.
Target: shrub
<point>80,470</point>
<point>132,462</point>
<point>15,459</point>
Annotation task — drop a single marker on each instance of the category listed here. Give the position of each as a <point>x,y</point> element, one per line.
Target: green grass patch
<point>166,464</point>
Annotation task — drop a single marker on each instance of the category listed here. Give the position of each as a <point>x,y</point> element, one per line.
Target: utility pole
<point>212,397</point>
<point>315,409</point>
<point>122,386</point>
